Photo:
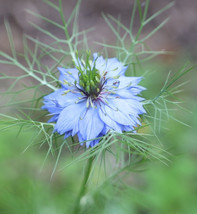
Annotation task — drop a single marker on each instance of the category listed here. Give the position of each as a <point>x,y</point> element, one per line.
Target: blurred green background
<point>26,187</point>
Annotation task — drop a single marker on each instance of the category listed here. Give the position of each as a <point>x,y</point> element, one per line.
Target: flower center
<point>89,78</point>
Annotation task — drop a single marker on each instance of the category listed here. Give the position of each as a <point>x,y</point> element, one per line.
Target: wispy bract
<point>95,97</point>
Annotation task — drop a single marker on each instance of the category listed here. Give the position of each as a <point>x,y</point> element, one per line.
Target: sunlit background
<point>25,184</point>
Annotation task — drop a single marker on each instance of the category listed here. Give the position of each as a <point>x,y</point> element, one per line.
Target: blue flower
<point>95,97</point>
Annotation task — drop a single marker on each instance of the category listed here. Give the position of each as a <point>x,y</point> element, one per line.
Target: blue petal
<point>108,121</point>
<point>51,101</point>
<point>123,111</point>
<point>106,129</point>
<point>67,134</point>
<point>95,56</point>
<point>127,128</point>
<point>112,84</point>
<point>69,118</point>
<point>117,115</point>
<point>136,89</point>
<point>93,142</point>
<point>88,143</point>
<point>129,81</point>
<point>131,107</point>
<point>69,98</point>
<point>137,107</point>
<point>68,75</point>
<point>115,68</point>
<point>53,119</point>
<point>129,94</point>
<point>80,138</point>
<point>90,125</point>
<point>100,64</point>
<point>110,67</point>
<point>57,101</point>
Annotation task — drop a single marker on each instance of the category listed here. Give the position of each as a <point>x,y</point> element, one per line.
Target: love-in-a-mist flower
<point>95,97</point>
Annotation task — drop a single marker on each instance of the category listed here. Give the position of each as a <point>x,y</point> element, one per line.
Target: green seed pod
<point>85,78</point>
<point>92,83</point>
<point>97,79</point>
<point>81,83</point>
<point>87,88</point>
<point>87,103</point>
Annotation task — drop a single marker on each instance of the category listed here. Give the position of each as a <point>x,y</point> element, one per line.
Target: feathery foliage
<point>37,78</point>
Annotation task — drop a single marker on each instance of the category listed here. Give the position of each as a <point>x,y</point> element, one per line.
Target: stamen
<point>116,77</point>
<point>87,103</point>
<point>91,103</point>
<point>66,92</point>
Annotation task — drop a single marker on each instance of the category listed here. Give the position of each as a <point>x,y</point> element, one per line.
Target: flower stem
<point>83,185</point>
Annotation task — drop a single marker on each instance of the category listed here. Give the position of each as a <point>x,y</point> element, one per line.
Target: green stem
<point>66,31</point>
<point>84,185</point>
